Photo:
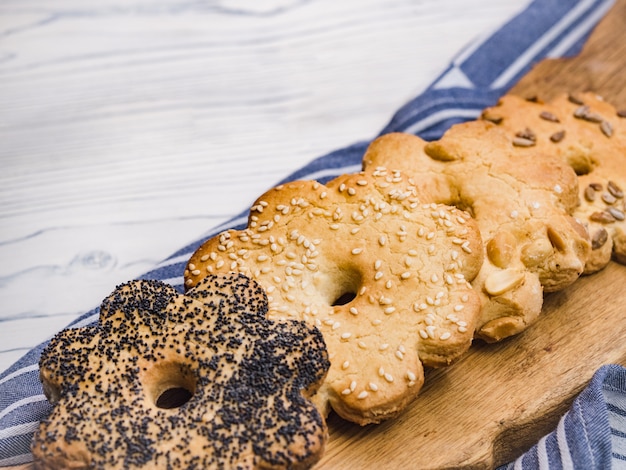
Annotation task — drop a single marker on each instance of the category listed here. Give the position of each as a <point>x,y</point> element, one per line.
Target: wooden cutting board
<point>498,400</point>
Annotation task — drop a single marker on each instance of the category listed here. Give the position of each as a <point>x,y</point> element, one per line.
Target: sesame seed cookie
<point>166,380</point>
<point>590,135</point>
<point>521,203</point>
<point>384,276</point>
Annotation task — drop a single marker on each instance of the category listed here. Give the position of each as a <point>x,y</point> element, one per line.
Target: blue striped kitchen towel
<point>593,432</point>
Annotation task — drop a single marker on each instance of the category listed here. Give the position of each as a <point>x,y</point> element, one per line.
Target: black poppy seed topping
<point>244,377</point>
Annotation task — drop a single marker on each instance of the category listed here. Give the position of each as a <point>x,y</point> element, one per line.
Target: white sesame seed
<point>377,264</point>
<point>430,330</point>
<point>399,355</point>
<point>389,378</point>
<point>381,371</point>
<point>445,335</point>
<point>353,385</point>
<point>424,334</point>
<point>346,391</point>
<point>357,251</point>
<point>405,275</point>
<point>345,365</point>
<point>354,311</point>
<point>373,387</point>
<point>362,395</point>
<point>346,335</point>
<point>411,376</point>
<point>389,310</point>
<point>383,346</point>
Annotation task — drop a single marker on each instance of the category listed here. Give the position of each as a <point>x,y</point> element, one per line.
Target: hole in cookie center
<point>344,298</point>
<point>341,285</point>
<point>173,398</point>
<point>169,385</point>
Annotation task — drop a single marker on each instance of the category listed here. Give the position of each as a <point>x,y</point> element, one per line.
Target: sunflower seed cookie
<point>169,381</point>
<point>522,205</point>
<point>383,275</point>
<point>590,135</point>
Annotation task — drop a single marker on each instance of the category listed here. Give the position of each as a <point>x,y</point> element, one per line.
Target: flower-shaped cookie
<point>384,276</point>
<point>590,135</point>
<point>166,380</point>
<point>521,203</point>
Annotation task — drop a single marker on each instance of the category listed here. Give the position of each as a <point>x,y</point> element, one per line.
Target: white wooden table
<point>130,128</point>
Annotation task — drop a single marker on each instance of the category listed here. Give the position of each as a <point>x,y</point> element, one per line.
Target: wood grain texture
<point>483,411</point>
<point>599,67</point>
<point>130,128</point>
<point>500,399</point>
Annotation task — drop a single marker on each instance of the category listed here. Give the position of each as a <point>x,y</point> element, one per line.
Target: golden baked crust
<point>522,205</point>
<point>167,380</point>
<point>381,274</point>
<point>590,135</point>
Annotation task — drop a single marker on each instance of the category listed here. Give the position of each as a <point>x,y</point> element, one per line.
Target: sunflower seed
<point>557,136</point>
<point>615,190</point>
<point>548,116</point>
<point>526,134</point>
<point>606,128</point>
<point>522,142</point>
<point>618,214</point>
<point>575,100</point>
<point>608,198</point>
<point>603,217</point>
<point>590,194</point>
<point>599,238</point>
